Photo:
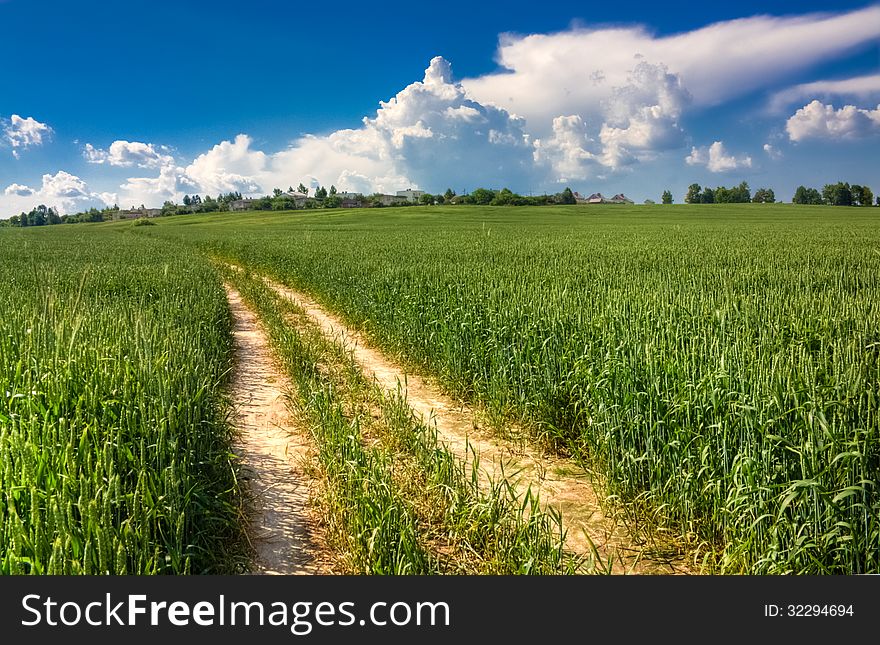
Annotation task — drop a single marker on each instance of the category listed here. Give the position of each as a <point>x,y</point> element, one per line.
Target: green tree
<point>482,196</point>
<point>276,192</point>
<point>764,196</point>
<point>302,189</point>
<point>666,198</point>
<point>863,195</point>
<point>741,194</point>
<point>839,194</point>
<point>320,192</point>
<point>448,195</point>
<point>567,197</point>
<point>708,196</point>
<point>332,189</point>
<point>426,199</point>
<point>38,216</point>
<point>693,194</point>
<point>804,195</point>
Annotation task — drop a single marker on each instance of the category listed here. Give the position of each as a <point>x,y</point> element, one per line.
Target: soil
<point>560,482</point>
<point>282,528</point>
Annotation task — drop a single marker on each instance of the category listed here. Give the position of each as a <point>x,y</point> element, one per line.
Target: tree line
<point>280,201</point>
<point>44,215</point>
<point>839,194</point>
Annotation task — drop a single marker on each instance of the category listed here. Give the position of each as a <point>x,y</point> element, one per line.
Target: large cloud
<point>63,191</point>
<point>717,159</point>
<point>21,133</point>
<point>819,121</point>
<point>127,154</point>
<point>573,72</point>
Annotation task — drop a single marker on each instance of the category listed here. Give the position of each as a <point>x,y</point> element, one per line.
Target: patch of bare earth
<point>282,526</point>
<point>561,483</point>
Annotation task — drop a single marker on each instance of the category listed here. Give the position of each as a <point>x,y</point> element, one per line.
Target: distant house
<point>410,194</point>
<point>242,204</point>
<point>348,202</point>
<point>137,213</point>
<point>355,196</point>
<point>298,198</point>
<point>599,198</point>
<point>388,200</point>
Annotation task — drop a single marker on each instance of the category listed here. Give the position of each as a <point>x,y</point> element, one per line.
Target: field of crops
<point>114,451</point>
<point>720,365</point>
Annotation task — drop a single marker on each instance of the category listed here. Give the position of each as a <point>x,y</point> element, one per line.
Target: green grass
<point>718,364</point>
<point>114,449</point>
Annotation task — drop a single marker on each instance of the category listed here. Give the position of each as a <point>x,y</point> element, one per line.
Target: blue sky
<point>139,102</point>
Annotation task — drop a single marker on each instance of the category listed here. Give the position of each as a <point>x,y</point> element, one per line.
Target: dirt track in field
<point>561,483</point>
<point>281,526</point>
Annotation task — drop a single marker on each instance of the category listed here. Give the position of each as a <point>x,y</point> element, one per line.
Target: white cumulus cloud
<point>717,159</point>
<point>817,120</point>
<point>128,153</point>
<point>21,133</point>
<point>19,190</point>
<point>228,166</point>
<point>65,192</point>
<point>634,88</point>
<point>572,72</point>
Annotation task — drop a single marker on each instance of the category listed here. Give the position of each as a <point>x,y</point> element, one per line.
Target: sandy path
<point>561,483</point>
<point>271,451</point>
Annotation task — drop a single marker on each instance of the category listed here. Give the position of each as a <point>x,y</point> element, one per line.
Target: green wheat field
<point>717,366</point>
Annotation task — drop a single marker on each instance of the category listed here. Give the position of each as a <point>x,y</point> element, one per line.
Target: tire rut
<point>281,526</point>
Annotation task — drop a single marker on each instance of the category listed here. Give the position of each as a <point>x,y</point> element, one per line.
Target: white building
<point>410,194</point>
